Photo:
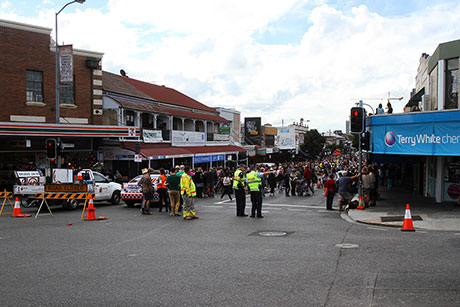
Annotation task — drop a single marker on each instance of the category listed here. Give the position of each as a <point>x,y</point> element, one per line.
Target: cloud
<point>214,51</point>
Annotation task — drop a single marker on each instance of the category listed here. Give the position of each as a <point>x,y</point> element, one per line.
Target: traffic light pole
<point>360,155</point>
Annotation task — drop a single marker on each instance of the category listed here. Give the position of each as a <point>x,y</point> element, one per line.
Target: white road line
<point>209,206</point>
<point>297,210</point>
<point>376,228</point>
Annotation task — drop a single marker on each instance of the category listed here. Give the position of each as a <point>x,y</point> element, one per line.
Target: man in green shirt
<point>173,183</point>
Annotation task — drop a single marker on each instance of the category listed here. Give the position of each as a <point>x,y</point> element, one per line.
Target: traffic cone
<point>91,216</point>
<point>17,209</point>
<point>407,224</point>
<point>361,205</point>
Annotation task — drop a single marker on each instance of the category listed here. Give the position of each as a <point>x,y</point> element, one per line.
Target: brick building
<point>28,102</point>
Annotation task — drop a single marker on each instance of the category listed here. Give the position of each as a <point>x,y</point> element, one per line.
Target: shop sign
<point>224,130</point>
<point>208,158</point>
<point>221,137</point>
<point>430,139</point>
<point>137,158</point>
<point>152,136</point>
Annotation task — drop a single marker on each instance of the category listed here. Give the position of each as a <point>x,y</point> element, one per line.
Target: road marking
<point>297,210</point>
<point>421,231</point>
<point>132,255</point>
<point>210,206</point>
<point>1,238</point>
<point>294,206</point>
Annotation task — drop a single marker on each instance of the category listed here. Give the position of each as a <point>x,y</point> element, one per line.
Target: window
<point>129,117</point>
<point>66,94</point>
<point>34,86</point>
<point>451,100</point>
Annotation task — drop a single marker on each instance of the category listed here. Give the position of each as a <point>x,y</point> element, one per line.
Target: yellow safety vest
<point>236,178</point>
<point>254,182</point>
<point>187,186</point>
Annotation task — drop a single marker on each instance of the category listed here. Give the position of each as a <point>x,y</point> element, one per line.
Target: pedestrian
<point>330,187</point>
<point>240,194</point>
<point>198,179</point>
<point>173,183</point>
<point>366,186</point>
<point>162,191</point>
<point>147,190</point>
<point>227,184</point>
<point>344,189</point>
<point>389,108</point>
<point>380,110</point>
<point>211,182</point>
<point>287,182</point>
<point>271,179</point>
<point>307,175</point>
<point>188,192</point>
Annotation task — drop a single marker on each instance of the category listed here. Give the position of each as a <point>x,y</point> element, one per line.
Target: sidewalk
<point>426,214</point>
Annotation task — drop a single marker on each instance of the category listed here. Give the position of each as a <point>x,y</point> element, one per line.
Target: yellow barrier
<point>45,196</point>
<point>6,196</point>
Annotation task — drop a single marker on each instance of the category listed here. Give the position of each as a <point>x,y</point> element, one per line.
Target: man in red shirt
<point>330,187</point>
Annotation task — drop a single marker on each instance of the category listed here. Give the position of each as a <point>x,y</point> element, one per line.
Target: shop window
<point>451,100</point>
<point>129,118</point>
<point>147,120</point>
<point>34,86</point>
<point>66,93</point>
<point>433,89</point>
<point>452,173</point>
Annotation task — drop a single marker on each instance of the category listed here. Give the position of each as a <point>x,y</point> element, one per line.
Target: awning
<point>415,99</point>
<point>165,151</point>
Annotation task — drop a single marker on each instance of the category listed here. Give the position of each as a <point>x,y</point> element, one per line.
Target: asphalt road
<point>221,260</point>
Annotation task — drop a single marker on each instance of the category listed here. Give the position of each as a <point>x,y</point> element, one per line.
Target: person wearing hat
<point>240,194</point>
<point>254,182</point>
<point>147,190</point>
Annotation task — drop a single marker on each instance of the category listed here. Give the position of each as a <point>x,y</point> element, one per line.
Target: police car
<point>131,192</point>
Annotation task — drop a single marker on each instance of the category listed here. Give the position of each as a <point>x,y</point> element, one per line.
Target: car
<point>131,192</point>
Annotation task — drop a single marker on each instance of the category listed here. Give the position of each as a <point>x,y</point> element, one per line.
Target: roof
<point>152,107</point>
<point>154,150</point>
<point>167,95</point>
<point>114,83</point>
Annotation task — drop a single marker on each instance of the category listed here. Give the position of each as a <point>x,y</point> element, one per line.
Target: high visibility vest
<point>187,186</point>
<point>254,182</point>
<point>236,178</point>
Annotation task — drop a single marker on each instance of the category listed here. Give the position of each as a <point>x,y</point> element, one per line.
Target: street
<point>223,260</point>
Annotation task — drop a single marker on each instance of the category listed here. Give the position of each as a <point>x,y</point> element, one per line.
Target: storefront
<point>431,139</point>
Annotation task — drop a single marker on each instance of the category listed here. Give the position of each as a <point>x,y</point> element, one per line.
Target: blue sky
<point>282,60</point>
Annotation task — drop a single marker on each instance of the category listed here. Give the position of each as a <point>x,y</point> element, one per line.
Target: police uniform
<point>254,184</point>
<point>240,194</point>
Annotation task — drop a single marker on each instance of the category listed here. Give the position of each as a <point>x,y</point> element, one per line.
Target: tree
<point>313,143</point>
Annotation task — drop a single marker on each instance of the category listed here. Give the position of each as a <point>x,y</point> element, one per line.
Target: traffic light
<point>51,152</point>
<point>357,120</point>
<point>366,141</point>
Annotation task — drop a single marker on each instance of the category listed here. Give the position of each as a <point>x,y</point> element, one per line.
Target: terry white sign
<point>188,138</point>
<point>152,136</point>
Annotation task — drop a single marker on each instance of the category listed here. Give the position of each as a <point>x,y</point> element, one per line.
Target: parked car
<point>131,192</point>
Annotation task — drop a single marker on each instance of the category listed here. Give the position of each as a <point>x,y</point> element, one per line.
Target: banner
<point>221,137</point>
<point>429,139</point>
<point>66,64</point>
<point>252,131</point>
<point>188,138</point>
<point>285,138</point>
<point>152,136</point>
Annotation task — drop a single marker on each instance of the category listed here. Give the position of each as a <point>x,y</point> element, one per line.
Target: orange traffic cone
<point>91,216</point>
<point>408,225</point>
<point>361,205</point>
<point>17,209</point>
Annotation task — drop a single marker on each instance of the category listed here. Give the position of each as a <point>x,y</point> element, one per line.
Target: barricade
<point>57,196</point>
<point>6,197</point>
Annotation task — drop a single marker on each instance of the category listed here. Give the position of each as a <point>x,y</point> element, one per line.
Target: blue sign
<point>208,158</point>
<point>409,136</point>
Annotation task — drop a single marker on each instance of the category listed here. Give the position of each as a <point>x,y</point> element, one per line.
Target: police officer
<point>255,185</point>
<point>240,194</point>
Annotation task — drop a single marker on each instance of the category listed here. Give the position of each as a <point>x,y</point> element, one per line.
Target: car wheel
<point>130,203</point>
<point>71,204</point>
<point>115,198</point>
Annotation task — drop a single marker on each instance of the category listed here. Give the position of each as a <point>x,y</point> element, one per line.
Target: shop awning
<point>416,98</point>
<point>164,151</point>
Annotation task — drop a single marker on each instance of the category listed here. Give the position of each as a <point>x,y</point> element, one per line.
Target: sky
<point>279,60</point>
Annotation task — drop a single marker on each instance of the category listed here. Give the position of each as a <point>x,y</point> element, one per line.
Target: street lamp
<point>58,109</point>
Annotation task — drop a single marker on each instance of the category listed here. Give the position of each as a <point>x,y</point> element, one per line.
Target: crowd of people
<point>178,187</point>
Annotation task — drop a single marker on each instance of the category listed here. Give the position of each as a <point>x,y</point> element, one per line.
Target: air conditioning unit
<point>97,111</point>
<point>426,105</point>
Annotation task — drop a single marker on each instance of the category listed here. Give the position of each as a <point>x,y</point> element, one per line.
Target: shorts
<point>346,196</point>
<point>148,196</point>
